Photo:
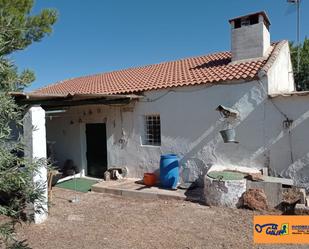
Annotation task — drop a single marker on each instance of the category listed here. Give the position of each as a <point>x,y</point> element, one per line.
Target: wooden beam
<point>47,104</point>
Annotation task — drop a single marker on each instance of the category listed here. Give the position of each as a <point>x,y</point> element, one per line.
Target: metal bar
<point>298,35</point>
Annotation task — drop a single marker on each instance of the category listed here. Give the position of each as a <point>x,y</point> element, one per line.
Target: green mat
<point>82,184</point>
<point>226,175</point>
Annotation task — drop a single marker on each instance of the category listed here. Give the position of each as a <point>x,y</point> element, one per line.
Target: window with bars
<point>152,130</point>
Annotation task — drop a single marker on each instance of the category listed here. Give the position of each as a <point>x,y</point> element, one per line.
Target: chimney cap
<point>262,13</point>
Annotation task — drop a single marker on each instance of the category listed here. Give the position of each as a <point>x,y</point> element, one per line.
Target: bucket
<point>150,179</point>
<point>228,136</point>
<point>169,171</point>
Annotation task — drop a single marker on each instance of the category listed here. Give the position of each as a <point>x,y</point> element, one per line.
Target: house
<point>128,118</point>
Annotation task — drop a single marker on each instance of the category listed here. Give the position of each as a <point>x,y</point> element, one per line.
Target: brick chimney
<point>250,36</point>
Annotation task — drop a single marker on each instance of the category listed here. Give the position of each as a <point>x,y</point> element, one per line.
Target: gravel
<point>106,221</point>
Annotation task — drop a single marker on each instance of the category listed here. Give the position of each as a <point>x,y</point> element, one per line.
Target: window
<point>152,130</point>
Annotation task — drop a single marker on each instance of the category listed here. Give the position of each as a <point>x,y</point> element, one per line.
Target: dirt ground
<point>105,221</point>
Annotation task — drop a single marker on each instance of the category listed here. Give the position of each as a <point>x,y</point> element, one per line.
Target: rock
<point>255,199</point>
<point>294,195</point>
<point>255,177</point>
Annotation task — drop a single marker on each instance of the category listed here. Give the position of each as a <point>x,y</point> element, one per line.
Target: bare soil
<point>106,221</point>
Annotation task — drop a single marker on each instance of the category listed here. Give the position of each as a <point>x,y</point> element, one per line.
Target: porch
<point>81,129</point>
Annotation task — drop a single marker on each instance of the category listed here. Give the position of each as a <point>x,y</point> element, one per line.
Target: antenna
<point>297,3</point>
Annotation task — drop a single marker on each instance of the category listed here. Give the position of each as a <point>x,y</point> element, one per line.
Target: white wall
<point>189,126</point>
<point>67,139</point>
<point>289,148</point>
<point>280,75</point>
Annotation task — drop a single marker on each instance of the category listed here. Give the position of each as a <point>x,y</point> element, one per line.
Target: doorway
<point>96,149</point>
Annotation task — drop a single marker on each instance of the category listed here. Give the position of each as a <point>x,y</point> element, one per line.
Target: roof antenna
<point>297,3</point>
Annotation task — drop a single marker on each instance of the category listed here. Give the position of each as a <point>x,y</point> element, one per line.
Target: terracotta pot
<point>150,179</point>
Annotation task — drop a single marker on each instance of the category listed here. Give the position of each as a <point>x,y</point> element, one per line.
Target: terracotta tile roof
<point>213,68</point>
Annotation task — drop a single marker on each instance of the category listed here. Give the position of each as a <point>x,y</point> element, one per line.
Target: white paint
<point>280,75</point>
<point>193,135</point>
<point>67,138</point>
<point>35,150</point>
<point>250,42</point>
<point>289,148</point>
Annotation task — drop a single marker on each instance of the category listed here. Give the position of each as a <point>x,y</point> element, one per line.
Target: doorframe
<point>84,146</point>
<point>83,149</point>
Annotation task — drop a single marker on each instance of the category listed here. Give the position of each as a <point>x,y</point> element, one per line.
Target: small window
<point>152,130</point>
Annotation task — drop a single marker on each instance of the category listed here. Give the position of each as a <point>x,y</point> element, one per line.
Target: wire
<point>174,91</point>
<point>271,101</point>
<point>161,96</point>
<point>286,117</point>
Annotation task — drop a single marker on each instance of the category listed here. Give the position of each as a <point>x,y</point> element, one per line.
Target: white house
<point>130,117</point>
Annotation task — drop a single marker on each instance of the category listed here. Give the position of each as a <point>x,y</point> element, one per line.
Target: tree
<point>18,30</point>
<point>302,76</point>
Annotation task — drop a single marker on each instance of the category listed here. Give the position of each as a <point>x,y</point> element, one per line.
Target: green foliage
<point>18,29</point>
<point>301,76</point>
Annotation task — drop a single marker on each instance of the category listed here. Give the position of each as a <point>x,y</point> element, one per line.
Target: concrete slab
<point>136,194</point>
<point>284,181</point>
<point>134,188</point>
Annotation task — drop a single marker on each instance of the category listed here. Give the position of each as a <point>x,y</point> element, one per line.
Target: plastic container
<point>169,171</point>
<point>150,179</point>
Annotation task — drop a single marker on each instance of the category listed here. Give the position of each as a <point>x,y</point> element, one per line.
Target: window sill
<point>150,146</point>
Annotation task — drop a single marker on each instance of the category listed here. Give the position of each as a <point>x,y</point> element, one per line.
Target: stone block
<point>272,190</point>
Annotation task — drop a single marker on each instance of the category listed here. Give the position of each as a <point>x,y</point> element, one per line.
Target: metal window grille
<point>152,130</point>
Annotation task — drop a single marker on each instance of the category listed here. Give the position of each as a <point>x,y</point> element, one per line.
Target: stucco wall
<point>280,75</point>
<point>189,127</point>
<point>289,147</point>
<point>66,138</point>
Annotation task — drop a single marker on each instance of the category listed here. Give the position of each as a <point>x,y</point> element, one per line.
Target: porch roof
<point>49,101</point>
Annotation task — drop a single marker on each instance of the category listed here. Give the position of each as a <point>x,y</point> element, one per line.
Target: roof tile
<point>191,71</point>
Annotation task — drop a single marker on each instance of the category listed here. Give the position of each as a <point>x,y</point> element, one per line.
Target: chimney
<point>250,36</point>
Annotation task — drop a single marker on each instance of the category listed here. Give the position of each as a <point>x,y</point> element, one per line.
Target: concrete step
<point>130,190</point>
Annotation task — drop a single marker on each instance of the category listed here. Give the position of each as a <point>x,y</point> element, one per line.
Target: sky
<point>95,36</point>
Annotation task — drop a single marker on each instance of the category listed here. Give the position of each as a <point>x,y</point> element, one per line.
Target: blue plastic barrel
<point>169,171</point>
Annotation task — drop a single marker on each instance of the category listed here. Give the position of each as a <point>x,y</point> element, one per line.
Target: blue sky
<point>97,36</point>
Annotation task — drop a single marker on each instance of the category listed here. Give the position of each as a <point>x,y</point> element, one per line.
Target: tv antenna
<point>297,3</point>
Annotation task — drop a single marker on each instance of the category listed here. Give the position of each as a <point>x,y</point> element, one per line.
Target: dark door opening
<point>96,149</point>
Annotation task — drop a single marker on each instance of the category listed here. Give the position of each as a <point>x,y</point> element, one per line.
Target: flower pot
<point>150,179</point>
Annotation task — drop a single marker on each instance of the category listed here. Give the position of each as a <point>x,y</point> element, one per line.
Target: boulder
<point>294,195</point>
<point>255,199</point>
